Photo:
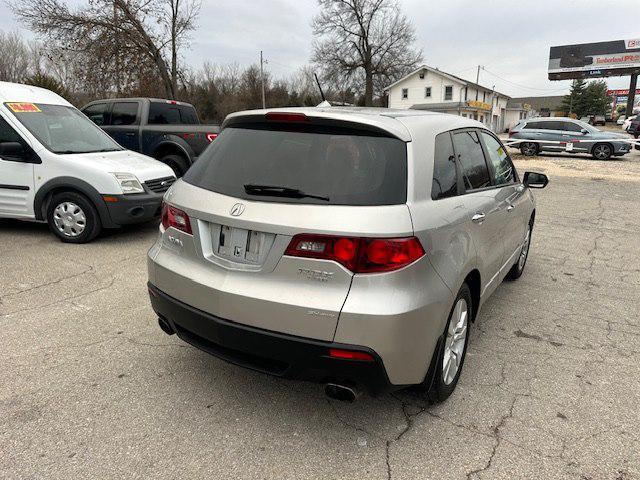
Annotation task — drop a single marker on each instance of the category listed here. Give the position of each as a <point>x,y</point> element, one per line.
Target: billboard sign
<point>592,60</point>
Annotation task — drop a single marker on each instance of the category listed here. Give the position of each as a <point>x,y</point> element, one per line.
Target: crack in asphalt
<point>66,299</point>
<point>409,423</point>
<point>88,269</point>
<point>498,440</point>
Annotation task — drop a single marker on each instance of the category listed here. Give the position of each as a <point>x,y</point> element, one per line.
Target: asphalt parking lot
<point>91,388</point>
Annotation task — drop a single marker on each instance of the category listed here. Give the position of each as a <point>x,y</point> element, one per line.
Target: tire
<point>73,218</point>
<point>602,151</point>
<point>440,383</point>
<point>529,149</point>
<point>177,163</point>
<point>518,267</point>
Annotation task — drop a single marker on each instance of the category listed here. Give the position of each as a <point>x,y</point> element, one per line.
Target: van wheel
<point>177,163</point>
<point>529,149</point>
<point>518,267</point>
<point>73,218</point>
<point>449,356</point>
<point>602,151</point>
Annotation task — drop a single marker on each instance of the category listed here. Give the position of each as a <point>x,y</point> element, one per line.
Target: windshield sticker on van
<point>23,107</point>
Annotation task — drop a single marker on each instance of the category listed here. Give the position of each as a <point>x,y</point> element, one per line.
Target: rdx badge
<point>319,275</point>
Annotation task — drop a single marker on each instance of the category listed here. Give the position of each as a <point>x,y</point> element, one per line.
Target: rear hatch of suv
<point>278,208</point>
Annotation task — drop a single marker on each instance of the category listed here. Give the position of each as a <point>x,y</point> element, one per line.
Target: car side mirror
<point>535,180</point>
<point>584,131</point>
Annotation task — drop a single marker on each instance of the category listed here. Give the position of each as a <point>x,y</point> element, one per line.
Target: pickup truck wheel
<point>450,353</point>
<point>177,163</point>
<point>73,218</point>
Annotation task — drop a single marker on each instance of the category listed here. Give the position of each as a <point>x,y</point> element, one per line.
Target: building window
<point>405,93</point>
<point>427,92</point>
<point>448,92</point>
<point>484,96</point>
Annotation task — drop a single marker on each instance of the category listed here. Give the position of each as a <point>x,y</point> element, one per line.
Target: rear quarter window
<point>348,167</point>
<point>475,172</point>
<point>445,179</point>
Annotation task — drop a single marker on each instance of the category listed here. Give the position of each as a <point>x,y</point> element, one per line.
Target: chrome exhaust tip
<point>342,393</point>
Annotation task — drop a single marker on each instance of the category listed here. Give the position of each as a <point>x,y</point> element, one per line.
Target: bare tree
<point>363,43</point>
<point>15,58</point>
<point>119,35</point>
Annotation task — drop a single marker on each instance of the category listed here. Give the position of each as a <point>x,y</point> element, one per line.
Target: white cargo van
<point>58,166</point>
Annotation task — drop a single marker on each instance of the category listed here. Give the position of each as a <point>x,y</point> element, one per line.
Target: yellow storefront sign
<point>479,105</point>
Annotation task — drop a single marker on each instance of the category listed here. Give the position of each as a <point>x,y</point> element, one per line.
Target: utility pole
<point>262,61</point>
<point>478,79</point>
<point>117,41</point>
<point>632,94</point>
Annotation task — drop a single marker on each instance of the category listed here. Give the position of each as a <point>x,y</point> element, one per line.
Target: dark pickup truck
<point>166,130</point>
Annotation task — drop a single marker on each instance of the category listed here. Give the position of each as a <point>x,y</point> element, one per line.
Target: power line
<point>549,90</point>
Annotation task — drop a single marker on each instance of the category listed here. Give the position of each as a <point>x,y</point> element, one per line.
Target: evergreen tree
<point>574,103</point>
<point>596,100</point>
<point>43,80</point>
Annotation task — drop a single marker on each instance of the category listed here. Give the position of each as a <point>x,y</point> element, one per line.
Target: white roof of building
<point>450,76</point>
<point>389,120</point>
<point>17,92</point>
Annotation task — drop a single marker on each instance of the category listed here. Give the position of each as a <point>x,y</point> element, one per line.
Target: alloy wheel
<point>455,341</point>
<point>69,219</point>
<point>602,152</point>
<point>529,149</point>
<point>525,249</point>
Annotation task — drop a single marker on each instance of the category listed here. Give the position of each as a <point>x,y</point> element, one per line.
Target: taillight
<point>360,255</point>
<point>176,218</point>
<point>350,355</point>
<point>211,137</point>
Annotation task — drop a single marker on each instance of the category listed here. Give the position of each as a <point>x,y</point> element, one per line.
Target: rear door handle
<point>478,217</point>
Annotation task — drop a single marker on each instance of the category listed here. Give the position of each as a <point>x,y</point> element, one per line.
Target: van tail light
<point>360,255</point>
<point>176,218</point>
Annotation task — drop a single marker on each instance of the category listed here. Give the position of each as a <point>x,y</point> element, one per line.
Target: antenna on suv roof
<point>324,100</point>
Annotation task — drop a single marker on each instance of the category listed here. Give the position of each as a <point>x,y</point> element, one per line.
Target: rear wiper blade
<point>276,191</point>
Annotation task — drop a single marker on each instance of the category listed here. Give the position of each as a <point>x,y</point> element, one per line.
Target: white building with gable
<point>428,88</point>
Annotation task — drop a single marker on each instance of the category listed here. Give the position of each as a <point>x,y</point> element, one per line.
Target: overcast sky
<point>511,39</point>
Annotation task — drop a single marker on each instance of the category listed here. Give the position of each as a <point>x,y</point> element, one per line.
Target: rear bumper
<point>131,209</point>
<point>274,353</point>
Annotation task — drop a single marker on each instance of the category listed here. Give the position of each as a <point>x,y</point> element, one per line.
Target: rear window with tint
<point>347,166</point>
<point>171,114</point>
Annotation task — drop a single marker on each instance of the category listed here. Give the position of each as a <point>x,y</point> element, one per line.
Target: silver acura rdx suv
<point>352,247</point>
